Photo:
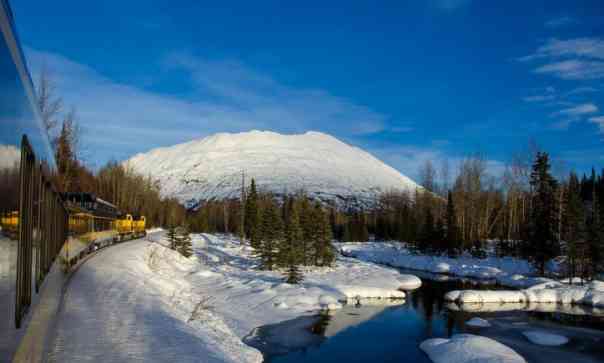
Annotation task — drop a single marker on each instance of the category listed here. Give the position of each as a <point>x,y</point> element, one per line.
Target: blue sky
<point>406,80</point>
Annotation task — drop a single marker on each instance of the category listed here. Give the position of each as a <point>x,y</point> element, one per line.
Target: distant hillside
<point>323,166</point>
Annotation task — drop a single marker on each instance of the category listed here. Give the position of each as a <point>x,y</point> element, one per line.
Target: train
<point>90,219</point>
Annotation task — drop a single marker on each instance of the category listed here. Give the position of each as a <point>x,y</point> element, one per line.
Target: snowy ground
<point>141,301</point>
<point>506,271</point>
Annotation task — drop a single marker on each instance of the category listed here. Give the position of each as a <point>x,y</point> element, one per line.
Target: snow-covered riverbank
<point>506,271</point>
<point>142,301</point>
<point>590,294</point>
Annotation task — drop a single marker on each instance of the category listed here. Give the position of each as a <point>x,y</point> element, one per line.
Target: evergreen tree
<point>252,216</point>
<point>595,235</point>
<point>439,236</point>
<point>271,235</point>
<point>323,249</point>
<point>183,241</point>
<point>306,224</point>
<point>573,226</point>
<point>428,231</point>
<point>544,214</point>
<point>452,233</point>
<point>171,234</point>
<point>291,251</point>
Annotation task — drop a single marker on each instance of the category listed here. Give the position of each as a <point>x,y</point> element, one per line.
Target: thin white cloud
<point>578,47</point>
<point>599,121</point>
<point>571,59</point>
<point>560,22</point>
<point>573,114</point>
<point>577,111</point>
<point>574,69</point>
<point>232,98</point>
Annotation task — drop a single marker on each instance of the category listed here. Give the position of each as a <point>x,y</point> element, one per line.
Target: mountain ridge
<point>323,166</point>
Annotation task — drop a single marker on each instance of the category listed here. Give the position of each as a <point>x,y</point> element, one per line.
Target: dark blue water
<point>365,333</point>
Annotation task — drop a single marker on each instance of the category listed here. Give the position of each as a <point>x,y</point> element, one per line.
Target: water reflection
<point>365,333</point>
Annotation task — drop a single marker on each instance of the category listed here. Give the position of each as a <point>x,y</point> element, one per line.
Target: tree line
<point>527,213</point>
<point>531,215</point>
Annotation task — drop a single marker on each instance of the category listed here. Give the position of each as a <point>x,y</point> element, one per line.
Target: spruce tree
<point>306,224</point>
<point>452,232</point>
<point>291,251</point>
<point>573,223</point>
<point>428,231</point>
<point>171,234</point>
<point>543,244</point>
<point>271,232</point>
<point>183,241</point>
<point>323,249</point>
<point>440,232</point>
<point>595,235</point>
<point>252,216</point>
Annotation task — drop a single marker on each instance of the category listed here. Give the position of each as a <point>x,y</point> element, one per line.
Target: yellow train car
<point>123,226</point>
<point>10,224</point>
<point>80,223</point>
<point>138,226</point>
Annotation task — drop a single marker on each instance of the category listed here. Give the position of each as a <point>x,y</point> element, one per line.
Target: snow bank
<point>464,348</point>
<point>360,292</point>
<point>526,306</point>
<point>506,270</point>
<point>543,338</point>
<point>590,294</point>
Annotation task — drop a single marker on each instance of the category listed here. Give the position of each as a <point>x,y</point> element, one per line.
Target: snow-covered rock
<point>325,167</point>
<point>545,338</point>
<point>477,322</point>
<point>466,348</point>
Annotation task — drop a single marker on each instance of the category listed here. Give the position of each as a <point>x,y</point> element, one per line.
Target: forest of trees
<point>286,233</point>
<point>527,213</point>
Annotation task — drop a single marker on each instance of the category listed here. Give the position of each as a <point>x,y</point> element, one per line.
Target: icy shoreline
<point>136,294</point>
<point>506,271</point>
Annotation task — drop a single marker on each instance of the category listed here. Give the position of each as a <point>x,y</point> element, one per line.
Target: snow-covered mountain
<point>323,166</point>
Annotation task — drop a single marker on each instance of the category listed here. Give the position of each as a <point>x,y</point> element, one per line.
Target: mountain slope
<point>326,168</point>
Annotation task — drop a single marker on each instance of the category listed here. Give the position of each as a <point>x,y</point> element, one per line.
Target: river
<point>380,331</point>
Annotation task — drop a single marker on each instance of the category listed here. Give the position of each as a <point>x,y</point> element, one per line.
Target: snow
<point>477,322</point>
<point>464,348</point>
<point>505,270</point>
<point>323,166</point>
<point>544,338</point>
<point>526,306</point>
<point>142,301</point>
<point>590,294</point>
